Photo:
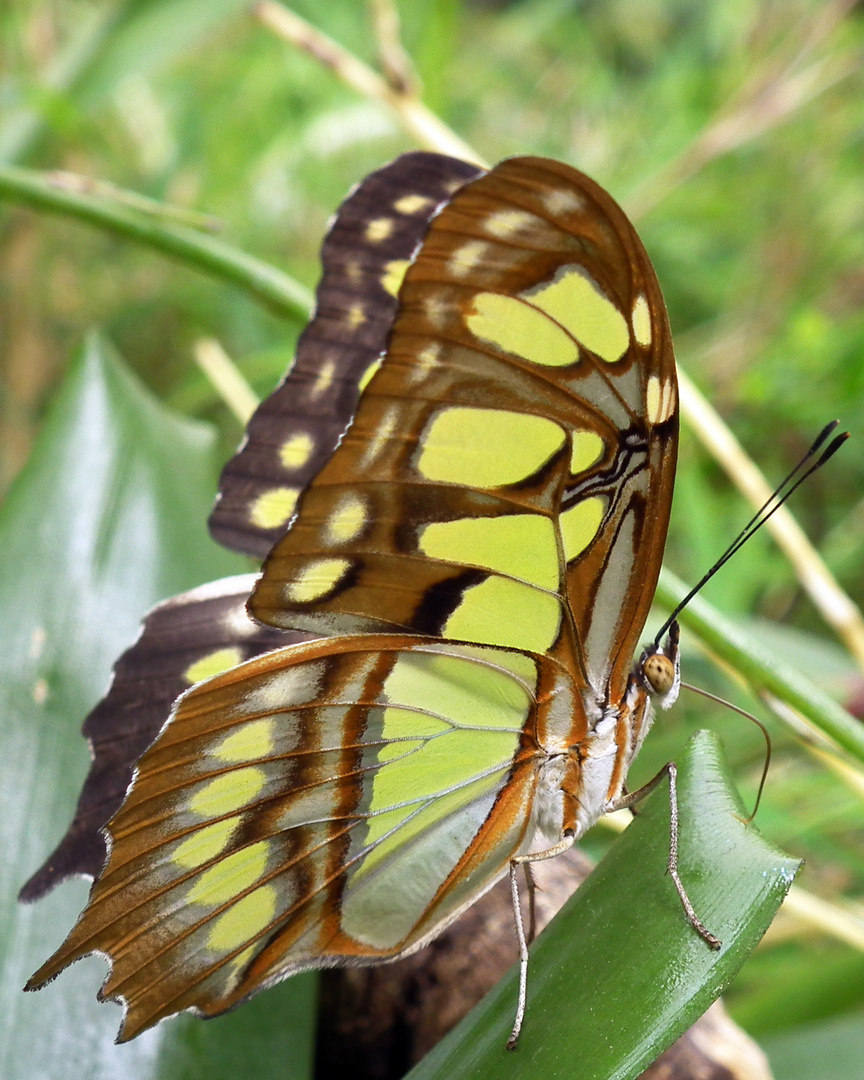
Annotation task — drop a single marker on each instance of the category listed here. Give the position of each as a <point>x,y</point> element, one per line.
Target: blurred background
<point>732,131</point>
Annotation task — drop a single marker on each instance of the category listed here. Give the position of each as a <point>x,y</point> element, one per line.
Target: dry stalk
<point>429,131</point>
<point>394,60</point>
<point>768,98</point>
<point>226,378</point>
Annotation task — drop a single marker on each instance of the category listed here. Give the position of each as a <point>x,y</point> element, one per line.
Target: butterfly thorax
<point>576,784</point>
<point>583,752</point>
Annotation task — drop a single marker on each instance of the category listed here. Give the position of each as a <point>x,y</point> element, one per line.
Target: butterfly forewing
<point>334,802</point>
<point>370,243</point>
<point>529,379</point>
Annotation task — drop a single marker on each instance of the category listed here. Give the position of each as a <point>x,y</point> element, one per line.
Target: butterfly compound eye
<point>660,673</point>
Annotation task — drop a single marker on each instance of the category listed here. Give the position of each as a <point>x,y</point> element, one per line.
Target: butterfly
<point>462,489</point>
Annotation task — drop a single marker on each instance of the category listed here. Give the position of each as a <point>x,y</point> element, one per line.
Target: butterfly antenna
<point>757,722</point>
<point>804,469</point>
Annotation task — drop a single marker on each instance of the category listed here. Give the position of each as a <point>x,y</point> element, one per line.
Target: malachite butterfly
<point>464,487</point>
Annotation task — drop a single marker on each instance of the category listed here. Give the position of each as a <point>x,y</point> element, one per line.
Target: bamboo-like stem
<point>831,601</point>
<point>818,914</point>
<point>104,189</point>
<point>419,121</point>
<point>844,770</point>
<point>814,741</point>
<point>226,378</point>
<point>259,279</point>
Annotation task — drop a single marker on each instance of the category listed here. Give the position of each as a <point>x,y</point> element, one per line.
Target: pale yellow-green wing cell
<point>486,448</point>
<point>519,545</point>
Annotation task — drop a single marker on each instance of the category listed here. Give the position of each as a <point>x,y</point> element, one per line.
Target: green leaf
<point>107,518</point>
<point>620,974</point>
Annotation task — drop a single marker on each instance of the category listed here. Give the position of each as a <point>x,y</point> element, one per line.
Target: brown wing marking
<point>372,238</point>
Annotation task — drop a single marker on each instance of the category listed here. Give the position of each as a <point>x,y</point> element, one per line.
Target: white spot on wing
<point>292,686</point>
<point>467,257</point>
<point>608,602</point>
<point>641,321</point>
<point>379,229</point>
<point>412,204</point>
<point>381,437</point>
<point>561,201</point>
<point>237,623</point>
<point>427,360</point>
<point>509,223</point>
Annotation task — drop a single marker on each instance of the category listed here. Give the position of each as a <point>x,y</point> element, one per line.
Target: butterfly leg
<point>526,860</point>
<point>523,958</point>
<point>632,797</point>
<point>531,886</point>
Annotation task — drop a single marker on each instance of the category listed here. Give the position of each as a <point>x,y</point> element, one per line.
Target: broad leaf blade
<point>107,518</point>
<point>620,974</point>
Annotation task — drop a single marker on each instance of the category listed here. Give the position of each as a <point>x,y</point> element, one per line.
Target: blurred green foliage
<point>735,128</point>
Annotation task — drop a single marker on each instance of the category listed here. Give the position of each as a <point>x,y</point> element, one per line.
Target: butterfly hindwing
<point>333,802</point>
<point>183,640</point>
<point>292,433</point>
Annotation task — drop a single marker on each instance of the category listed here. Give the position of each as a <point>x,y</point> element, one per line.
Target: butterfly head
<point>659,669</point>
